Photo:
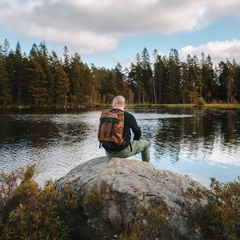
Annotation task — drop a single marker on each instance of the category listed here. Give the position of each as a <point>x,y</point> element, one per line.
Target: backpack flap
<point>111,128</point>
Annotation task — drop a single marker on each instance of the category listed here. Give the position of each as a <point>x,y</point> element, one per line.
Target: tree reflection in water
<point>202,144</point>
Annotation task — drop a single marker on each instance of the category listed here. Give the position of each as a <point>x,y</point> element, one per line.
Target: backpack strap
<point>119,110</point>
<point>116,110</point>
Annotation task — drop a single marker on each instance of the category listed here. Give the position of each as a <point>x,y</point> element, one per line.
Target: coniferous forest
<point>44,79</point>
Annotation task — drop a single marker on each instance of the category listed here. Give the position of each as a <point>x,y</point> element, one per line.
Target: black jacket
<point>130,123</point>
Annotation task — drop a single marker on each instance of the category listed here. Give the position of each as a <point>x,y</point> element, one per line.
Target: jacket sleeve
<point>135,128</point>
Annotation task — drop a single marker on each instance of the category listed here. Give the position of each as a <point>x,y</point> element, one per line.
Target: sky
<point>107,32</point>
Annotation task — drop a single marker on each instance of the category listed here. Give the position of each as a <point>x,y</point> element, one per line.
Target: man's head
<point>119,102</point>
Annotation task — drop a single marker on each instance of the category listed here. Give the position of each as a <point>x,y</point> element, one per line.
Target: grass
<point>138,105</point>
<point>209,105</point>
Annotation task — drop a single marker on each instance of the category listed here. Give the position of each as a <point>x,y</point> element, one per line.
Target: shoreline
<point>100,106</point>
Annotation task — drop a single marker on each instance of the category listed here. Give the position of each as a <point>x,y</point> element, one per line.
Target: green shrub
<point>219,217</point>
<point>150,222</point>
<point>30,212</point>
<point>200,102</point>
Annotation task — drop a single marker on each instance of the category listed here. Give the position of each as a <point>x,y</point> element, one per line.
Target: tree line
<point>41,78</point>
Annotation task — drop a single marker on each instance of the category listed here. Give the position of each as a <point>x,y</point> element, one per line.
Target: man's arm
<point>135,128</point>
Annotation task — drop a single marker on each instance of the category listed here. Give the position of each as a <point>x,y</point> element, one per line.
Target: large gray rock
<point>123,197</point>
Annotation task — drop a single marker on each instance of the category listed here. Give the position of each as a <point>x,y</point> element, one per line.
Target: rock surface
<point>125,197</point>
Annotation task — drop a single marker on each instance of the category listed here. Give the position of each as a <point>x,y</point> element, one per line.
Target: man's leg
<point>142,146</point>
<point>125,153</point>
<point>138,146</point>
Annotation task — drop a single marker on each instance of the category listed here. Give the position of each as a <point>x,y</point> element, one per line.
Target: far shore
<point>129,106</point>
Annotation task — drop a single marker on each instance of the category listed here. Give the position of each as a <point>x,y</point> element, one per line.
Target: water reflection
<point>202,144</point>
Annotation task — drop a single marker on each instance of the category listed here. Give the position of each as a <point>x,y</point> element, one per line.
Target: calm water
<point>201,144</point>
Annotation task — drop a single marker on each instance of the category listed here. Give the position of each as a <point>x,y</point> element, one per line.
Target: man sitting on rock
<point>129,148</point>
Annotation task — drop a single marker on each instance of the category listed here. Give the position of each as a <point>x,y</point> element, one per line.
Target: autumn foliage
<point>28,211</point>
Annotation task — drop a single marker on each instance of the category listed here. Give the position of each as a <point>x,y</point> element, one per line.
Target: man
<point>129,147</point>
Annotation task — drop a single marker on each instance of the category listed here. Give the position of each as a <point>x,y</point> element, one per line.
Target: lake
<point>198,143</point>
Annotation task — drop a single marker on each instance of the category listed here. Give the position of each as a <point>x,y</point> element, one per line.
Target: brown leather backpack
<point>110,131</point>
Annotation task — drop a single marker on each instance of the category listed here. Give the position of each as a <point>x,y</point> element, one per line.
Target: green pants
<point>138,146</point>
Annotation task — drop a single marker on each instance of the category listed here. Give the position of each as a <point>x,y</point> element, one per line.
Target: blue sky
<point>110,31</point>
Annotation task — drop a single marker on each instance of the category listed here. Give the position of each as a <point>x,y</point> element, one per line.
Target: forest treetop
<point>40,78</point>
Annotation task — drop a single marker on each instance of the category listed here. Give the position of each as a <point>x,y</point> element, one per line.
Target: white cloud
<point>93,26</point>
<point>219,9</point>
<point>218,51</point>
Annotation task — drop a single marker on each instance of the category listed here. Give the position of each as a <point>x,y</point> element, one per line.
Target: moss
<point>93,203</point>
<point>151,222</point>
<point>76,179</point>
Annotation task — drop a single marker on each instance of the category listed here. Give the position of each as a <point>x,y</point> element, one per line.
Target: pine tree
<point>62,85</point>
<point>159,78</point>
<point>77,79</point>
<point>5,90</point>
<point>37,78</point>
